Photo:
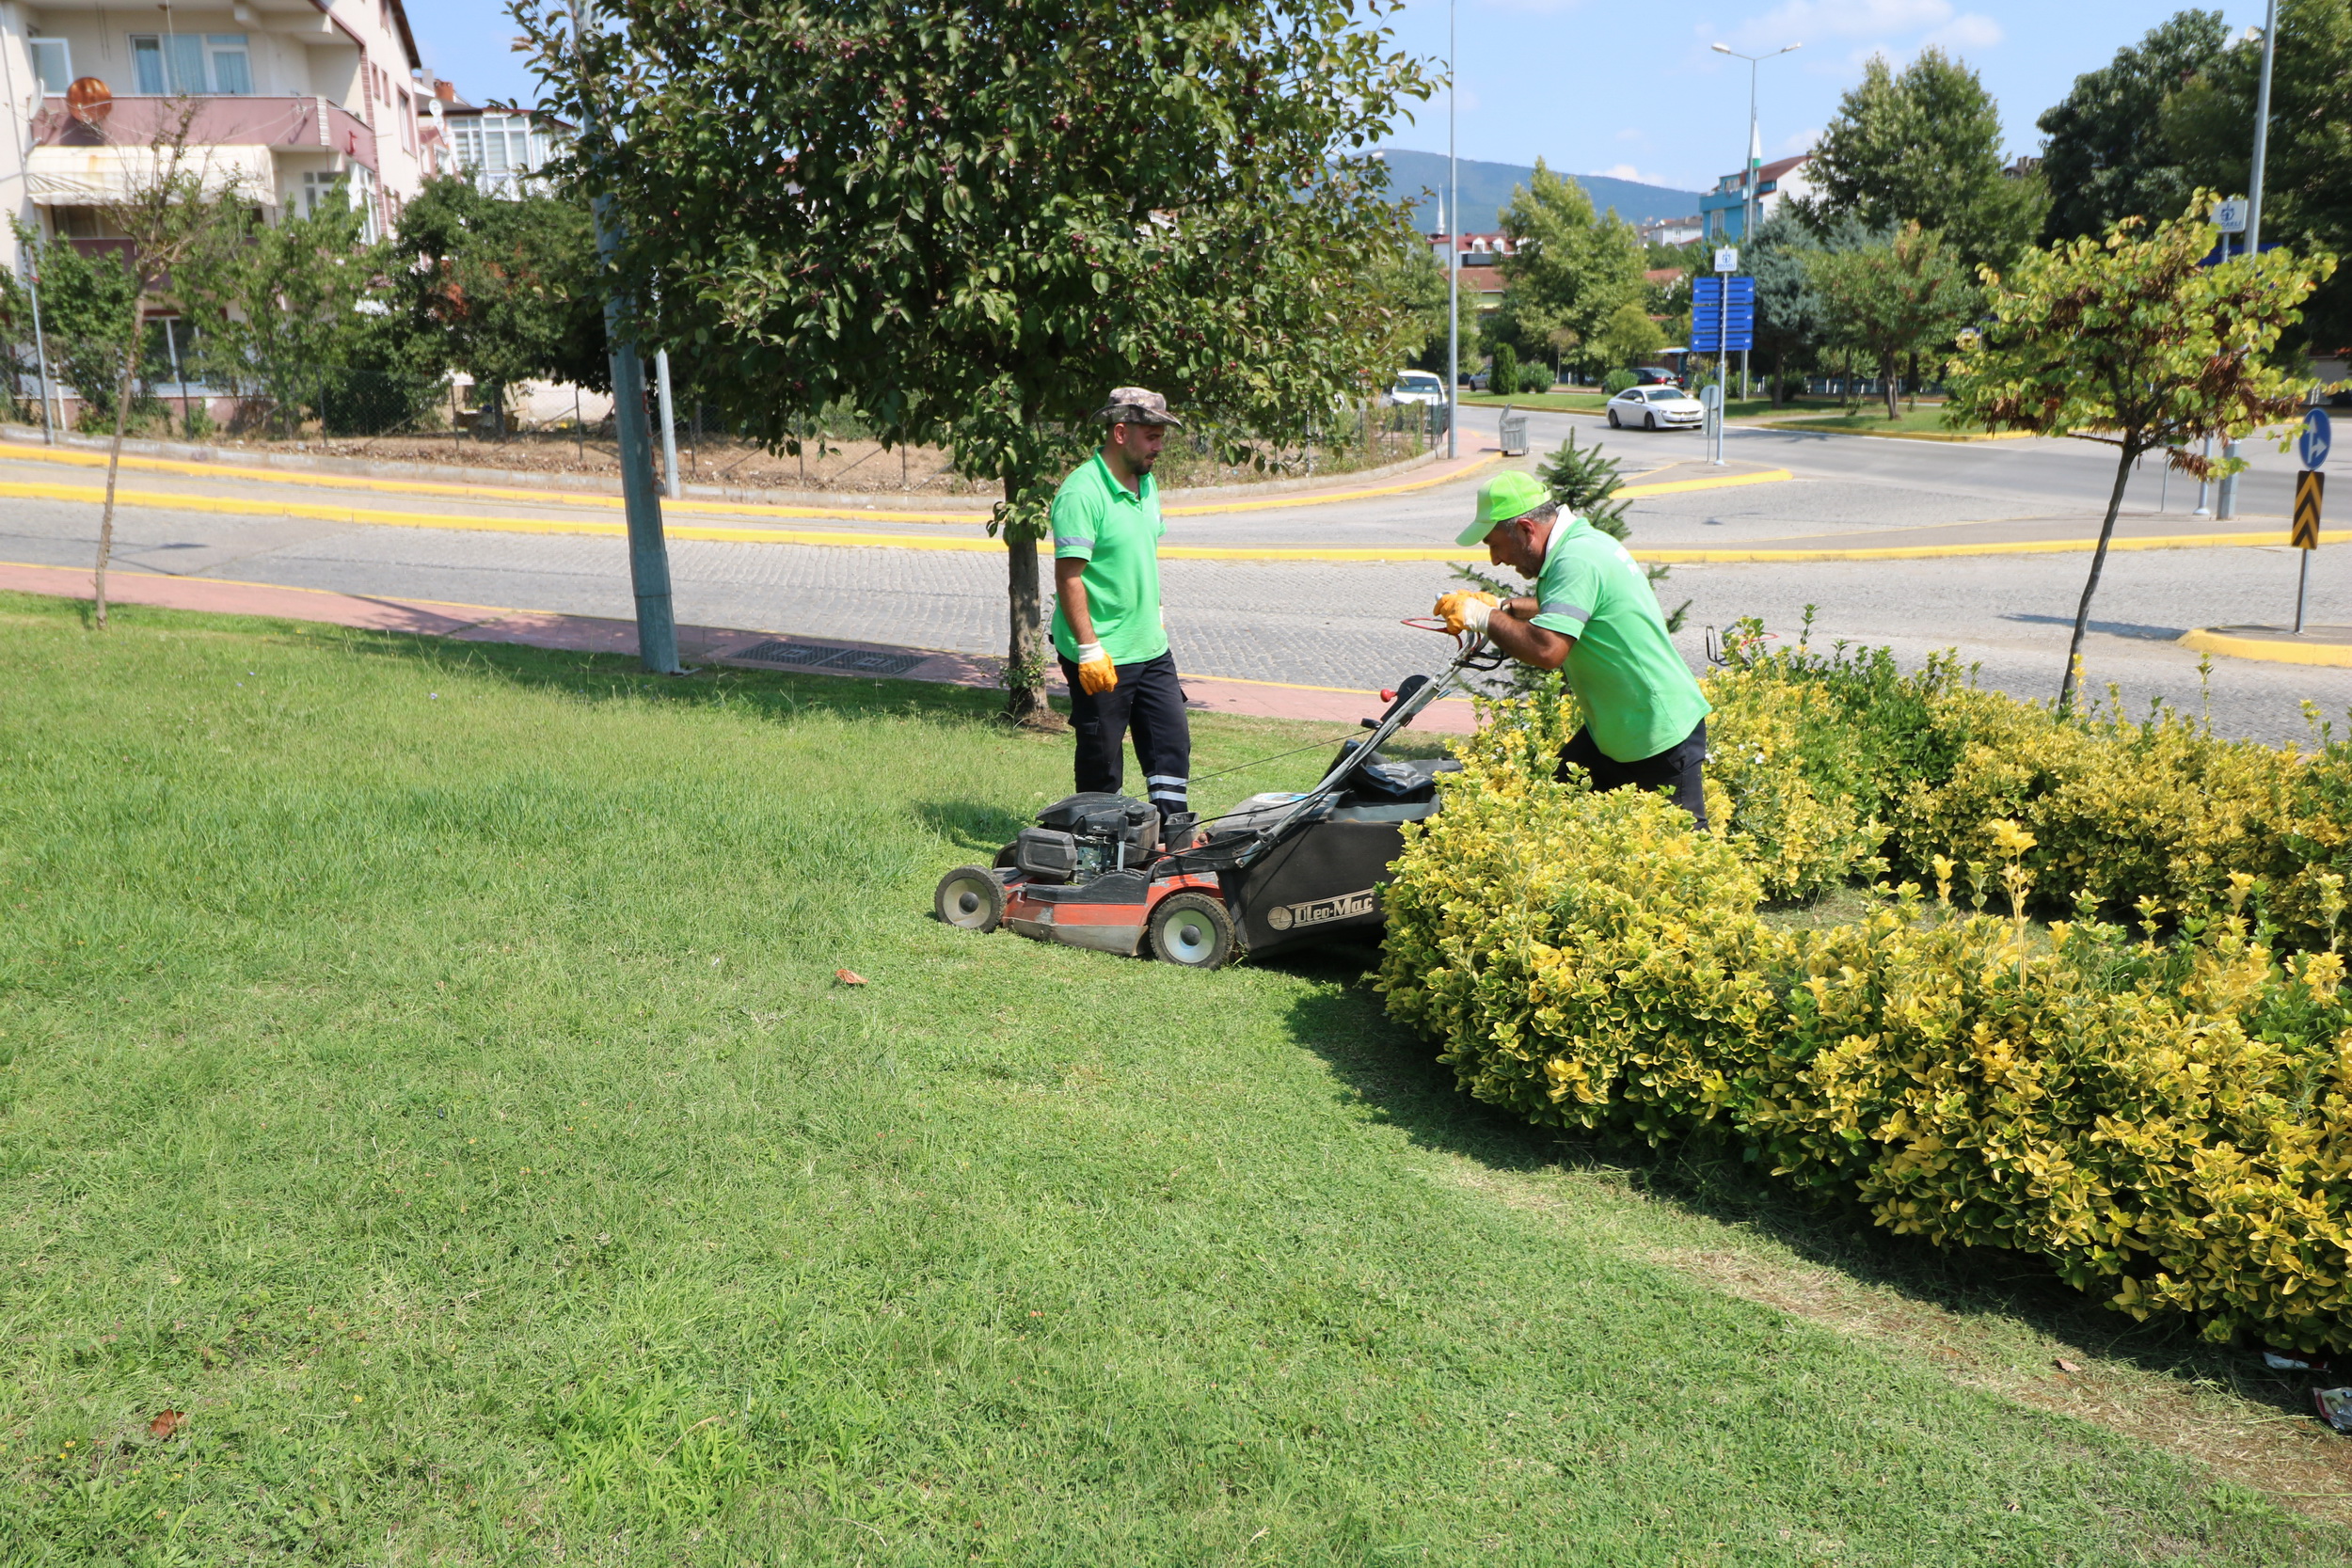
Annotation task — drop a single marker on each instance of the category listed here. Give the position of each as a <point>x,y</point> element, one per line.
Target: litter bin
<point>1512,428</point>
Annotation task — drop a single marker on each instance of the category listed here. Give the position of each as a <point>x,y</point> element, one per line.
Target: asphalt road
<point>1335,624</point>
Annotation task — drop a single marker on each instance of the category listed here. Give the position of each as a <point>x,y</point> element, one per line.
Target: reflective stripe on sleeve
<point>1575,613</point>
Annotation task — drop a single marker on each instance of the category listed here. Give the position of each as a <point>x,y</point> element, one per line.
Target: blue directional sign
<point>2312,446</point>
<point>1722,314</point>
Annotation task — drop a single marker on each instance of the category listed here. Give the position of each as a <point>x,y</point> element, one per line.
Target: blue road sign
<point>1721,324</point>
<point>2312,446</point>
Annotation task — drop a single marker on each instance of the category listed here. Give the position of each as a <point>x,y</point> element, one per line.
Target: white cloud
<point>1626,172</point>
<point>1808,20</point>
<point>1801,142</point>
<point>1973,30</point>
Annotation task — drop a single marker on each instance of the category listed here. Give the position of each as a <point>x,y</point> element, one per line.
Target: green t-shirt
<point>1638,697</point>
<point>1117,534</point>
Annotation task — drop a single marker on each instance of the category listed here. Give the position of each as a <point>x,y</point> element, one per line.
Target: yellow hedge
<point>2170,1124</point>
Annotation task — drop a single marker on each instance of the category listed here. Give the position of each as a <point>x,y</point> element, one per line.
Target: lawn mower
<point>1277,871</point>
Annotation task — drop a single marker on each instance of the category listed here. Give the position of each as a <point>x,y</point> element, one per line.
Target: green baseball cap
<point>1500,499</point>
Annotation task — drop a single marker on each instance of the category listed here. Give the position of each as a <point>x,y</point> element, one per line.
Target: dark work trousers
<point>1148,701</point>
<point>1676,768</point>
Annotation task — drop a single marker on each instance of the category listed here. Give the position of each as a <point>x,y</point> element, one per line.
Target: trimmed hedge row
<point>2169,1123</point>
<point>1826,768</point>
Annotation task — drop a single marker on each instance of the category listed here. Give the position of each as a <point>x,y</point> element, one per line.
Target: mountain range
<point>1486,190</point>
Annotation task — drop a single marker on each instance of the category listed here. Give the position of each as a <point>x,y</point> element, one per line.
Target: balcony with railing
<point>289,124</point>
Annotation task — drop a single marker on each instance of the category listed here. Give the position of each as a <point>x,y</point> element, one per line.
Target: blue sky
<point>1605,86</point>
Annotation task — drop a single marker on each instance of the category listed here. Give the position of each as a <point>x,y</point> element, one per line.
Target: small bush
<point>1617,381</point>
<point>1504,379</point>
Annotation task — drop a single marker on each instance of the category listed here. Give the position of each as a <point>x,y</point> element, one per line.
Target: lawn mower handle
<point>1401,712</point>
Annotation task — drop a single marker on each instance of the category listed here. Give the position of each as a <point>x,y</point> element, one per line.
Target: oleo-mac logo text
<point>1318,911</point>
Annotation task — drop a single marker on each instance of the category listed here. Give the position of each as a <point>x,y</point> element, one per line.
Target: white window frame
<point>208,47</point>
<point>358,182</point>
<point>65,64</point>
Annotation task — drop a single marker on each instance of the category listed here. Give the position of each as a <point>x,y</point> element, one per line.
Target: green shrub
<point>1617,381</point>
<point>2169,1125</point>
<point>1505,378</point>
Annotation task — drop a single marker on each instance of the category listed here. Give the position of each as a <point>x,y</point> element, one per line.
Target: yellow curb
<point>2337,655</point>
<point>1273,501</point>
<point>12,451</point>
<point>1721,481</point>
<point>1890,435</point>
<point>1934,552</point>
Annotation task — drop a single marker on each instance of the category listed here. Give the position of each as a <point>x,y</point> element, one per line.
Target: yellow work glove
<point>1096,672</point>
<point>1466,611</point>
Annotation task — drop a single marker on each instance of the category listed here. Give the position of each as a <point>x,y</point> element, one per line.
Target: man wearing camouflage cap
<point>1594,617</point>
<point>1107,608</point>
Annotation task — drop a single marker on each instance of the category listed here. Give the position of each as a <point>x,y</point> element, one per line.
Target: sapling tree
<point>1905,297</point>
<point>171,206</point>
<point>2132,340</point>
<point>969,222</point>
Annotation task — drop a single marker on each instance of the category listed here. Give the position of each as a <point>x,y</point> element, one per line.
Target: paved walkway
<point>697,645</point>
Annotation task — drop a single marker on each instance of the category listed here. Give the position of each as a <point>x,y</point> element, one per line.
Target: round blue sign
<point>2312,446</point>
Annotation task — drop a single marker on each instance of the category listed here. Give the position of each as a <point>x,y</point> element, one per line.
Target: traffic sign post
<point>1723,319</point>
<point>2230,217</point>
<point>2309,486</point>
<point>1712,399</point>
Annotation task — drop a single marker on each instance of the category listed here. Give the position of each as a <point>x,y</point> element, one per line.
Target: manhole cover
<point>804,655</point>
<point>788,653</point>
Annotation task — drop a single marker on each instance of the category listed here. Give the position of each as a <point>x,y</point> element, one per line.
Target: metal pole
<point>171,344</point>
<point>677,483</point>
<point>2204,486</point>
<point>1747,213</point>
<point>2262,134</point>
<point>2225,506</point>
<point>40,352</point>
<point>1453,249</point>
<point>648,552</point>
<point>2302,580</point>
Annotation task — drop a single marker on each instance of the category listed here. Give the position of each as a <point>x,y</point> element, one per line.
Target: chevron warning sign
<point>2308,486</point>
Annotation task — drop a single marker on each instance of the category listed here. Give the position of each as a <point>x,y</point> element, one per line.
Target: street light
<point>1755,160</point>
<point>1452,224</point>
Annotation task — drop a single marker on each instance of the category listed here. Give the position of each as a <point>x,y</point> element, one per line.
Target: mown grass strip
<point>423,1068</point>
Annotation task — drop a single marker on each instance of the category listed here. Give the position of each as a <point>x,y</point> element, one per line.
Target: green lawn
<point>1872,419</point>
<point>422,1066</point>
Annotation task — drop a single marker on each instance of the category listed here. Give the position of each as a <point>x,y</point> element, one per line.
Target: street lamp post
<point>1756,161</point>
<point>2253,211</point>
<point>1452,251</point>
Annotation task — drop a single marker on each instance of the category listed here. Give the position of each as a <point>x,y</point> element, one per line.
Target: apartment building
<point>1724,210</point>
<point>292,98</point>
<point>505,151</point>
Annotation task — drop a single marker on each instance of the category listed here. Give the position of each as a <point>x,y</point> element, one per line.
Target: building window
<point>499,151</point>
<point>358,183</point>
<point>190,63</point>
<point>53,62</point>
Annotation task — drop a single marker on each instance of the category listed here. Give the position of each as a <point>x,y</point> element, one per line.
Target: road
<point>1335,624</point>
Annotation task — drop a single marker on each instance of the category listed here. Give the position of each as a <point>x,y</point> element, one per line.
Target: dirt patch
<point>855,467</point>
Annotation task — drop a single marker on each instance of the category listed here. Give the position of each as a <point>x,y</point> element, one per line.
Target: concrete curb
<point>1796,427</point>
<point>2331,646</point>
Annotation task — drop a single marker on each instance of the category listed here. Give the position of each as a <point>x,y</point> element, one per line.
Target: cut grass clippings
<point>423,1077</point>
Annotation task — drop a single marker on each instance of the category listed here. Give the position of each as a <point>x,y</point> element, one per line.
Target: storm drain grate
<point>862,661</point>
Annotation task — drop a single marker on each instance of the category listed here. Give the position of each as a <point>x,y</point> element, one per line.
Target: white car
<point>1654,409</point>
<point>1416,387</point>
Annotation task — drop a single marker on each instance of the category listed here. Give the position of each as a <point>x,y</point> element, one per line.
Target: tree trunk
<point>114,464</point>
<point>1026,651</point>
<point>1886,385</point>
<point>2098,562</point>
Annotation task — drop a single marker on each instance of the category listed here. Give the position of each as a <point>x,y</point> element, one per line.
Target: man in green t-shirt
<point>1594,617</point>
<point>1107,608</point>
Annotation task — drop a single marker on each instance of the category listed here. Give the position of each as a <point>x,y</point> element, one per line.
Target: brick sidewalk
<point>755,650</point>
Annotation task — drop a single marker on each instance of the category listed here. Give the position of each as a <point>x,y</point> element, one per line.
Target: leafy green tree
<point>1569,271</point>
<point>87,307</point>
<point>2307,174</point>
<point>2130,342</point>
<point>970,221</point>
<point>2106,156</point>
<point>1900,298</point>
<point>1924,147</point>
<point>1411,287</point>
<point>1627,336</point>
<point>1792,321</point>
<point>276,308</point>
<point>504,290</point>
